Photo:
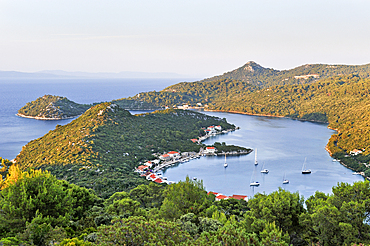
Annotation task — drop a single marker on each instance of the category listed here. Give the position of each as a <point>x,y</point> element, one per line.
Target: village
<point>151,169</point>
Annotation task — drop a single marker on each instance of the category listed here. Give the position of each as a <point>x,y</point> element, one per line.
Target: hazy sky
<point>196,38</point>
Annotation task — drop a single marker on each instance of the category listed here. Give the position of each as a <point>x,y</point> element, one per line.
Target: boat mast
<point>255,158</point>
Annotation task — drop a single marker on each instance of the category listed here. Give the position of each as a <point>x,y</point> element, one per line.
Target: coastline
<point>43,118</point>
<point>266,115</point>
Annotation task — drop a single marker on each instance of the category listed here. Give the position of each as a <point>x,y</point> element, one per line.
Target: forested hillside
<point>100,149</point>
<point>255,74</point>
<point>38,209</point>
<point>52,107</point>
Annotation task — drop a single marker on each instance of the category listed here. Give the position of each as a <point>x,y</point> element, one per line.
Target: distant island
<point>50,107</point>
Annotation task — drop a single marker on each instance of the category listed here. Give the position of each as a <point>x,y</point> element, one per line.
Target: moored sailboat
<point>304,169</point>
<point>264,170</point>
<point>254,183</point>
<point>225,164</point>
<point>285,181</point>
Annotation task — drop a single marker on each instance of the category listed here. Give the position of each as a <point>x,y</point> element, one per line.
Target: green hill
<point>257,75</point>
<point>100,149</point>
<point>50,107</point>
<point>244,80</point>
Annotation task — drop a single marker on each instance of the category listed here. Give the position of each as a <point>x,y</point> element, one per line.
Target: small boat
<point>255,158</point>
<point>225,164</point>
<point>264,170</point>
<point>285,181</point>
<point>254,183</point>
<point>304,169</point>
<point>195,178</point>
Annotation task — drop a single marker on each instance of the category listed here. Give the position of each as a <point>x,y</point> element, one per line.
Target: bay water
<point>282,143</point>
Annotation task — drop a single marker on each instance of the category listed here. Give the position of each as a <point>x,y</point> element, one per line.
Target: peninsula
<point>101,148</point>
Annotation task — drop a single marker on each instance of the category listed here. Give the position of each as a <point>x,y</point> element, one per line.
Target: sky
<point>199,38</point>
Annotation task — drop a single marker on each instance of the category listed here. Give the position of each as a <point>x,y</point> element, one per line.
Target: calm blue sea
<point>282,144</point>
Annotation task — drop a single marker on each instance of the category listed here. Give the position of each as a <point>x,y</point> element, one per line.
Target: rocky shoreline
<point>44,118</point>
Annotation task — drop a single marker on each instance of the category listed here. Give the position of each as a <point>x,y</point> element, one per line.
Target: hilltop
<point>257,75</point>
<point>100,149</point>
<point>50,107</point>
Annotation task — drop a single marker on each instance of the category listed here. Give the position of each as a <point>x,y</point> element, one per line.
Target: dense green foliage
<point>134,104</point>
<point>195,92</point>
<point>5,164</point>
<point>38,209</point>
<point>52,107</point>
<point>36,200</point>
<point>100,149</point>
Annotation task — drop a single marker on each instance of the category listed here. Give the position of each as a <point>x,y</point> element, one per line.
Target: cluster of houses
<point>356,151</point>
<point>220,196</point>
<point>149,168</point>
<point>146,171</point>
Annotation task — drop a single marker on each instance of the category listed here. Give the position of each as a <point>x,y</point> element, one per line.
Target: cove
<point>283,144</point>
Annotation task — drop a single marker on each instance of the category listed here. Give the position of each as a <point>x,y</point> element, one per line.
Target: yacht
<point>285,181</point>
<point>264,170</point>
<point>254,183</point>
<point>304,169</point>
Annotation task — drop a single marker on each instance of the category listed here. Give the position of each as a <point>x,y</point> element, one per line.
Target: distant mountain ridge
<point>255,74</point>
<point>120,75</point>
<point>60,74</point>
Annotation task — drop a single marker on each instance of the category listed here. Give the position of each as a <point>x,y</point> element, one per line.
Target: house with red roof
<point>173,154</point>
<point>148,163</point>
<point>211,129</point>
<point>194,140</point>
<point>141,169</point>
<point>210,150</point>
<point>158,180</point>
<point>240,197</point>
<point>165,157</point>
<point>221,197</point>
<point>151,177</point>
<point>218,128</point>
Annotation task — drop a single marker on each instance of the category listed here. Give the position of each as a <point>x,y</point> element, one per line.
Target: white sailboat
<point>255,158</point>
<point>264,170</point>
<point>225,164</point>
<point>285,181</point>
<point>254,183</point>
<point>304,169</point>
